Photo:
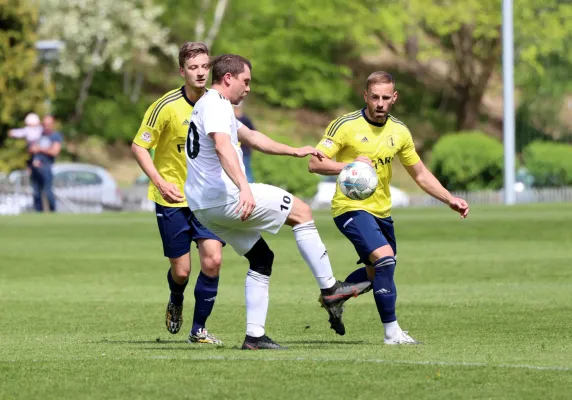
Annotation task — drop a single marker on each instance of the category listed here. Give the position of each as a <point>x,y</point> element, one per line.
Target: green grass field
<point>83,298</point>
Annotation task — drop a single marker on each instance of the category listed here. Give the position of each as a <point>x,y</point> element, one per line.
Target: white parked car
<point>327,188</point>
<point>78,188</point>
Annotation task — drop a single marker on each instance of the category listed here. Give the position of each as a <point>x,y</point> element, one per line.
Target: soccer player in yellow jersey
<point>373,136</point>
<point>164,128</point>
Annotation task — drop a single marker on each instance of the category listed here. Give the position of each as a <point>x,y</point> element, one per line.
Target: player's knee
<point>261,258</point>
<point>381,252</point>
<point>181,267</point>
<point>384,263</point>
<point>181,274</point>
<point>300,214</point>
<point>210,264</point>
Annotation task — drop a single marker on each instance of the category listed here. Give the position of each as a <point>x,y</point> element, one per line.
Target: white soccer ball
<point>357,180</point>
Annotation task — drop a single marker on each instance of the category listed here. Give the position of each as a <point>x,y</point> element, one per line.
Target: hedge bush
<point>468,161</point>
<point>289,173</point>
<point>550,163</point>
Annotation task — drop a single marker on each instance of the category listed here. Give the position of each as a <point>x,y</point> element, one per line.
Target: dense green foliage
<point>109,112</point>
<point>468,161</point>
<point>21,80</point>
<point>289,173</point>
<point>296,50</point>
<point>549,163</point>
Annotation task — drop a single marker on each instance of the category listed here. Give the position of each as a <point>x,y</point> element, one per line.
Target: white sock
<point>314,253</point>
<point>256,292</point>
<point>391,329</point>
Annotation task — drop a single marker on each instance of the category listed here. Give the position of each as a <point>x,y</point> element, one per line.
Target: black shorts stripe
<point>172,97</point>
<point>339,122</point>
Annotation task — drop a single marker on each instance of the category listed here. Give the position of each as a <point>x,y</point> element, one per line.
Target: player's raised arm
<point>260,142</point>
<point>431,185</point>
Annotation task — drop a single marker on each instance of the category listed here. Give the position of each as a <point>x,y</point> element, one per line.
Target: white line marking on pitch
<point>324,360</point>
<point>379,361</point>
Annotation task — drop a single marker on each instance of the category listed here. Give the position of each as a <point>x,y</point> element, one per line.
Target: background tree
<point>298,52</point>
<point>115,34</point>
<point>21,81</point>
<point>456,46</point>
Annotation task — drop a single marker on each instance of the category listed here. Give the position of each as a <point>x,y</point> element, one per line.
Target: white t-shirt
<point>207,184</point>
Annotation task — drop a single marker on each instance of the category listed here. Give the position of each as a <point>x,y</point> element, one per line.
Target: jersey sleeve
<point>57,138</point>
<point>407,154</point>
<point>332,141</point>
<point>218,117</point>
<point>155,119</point>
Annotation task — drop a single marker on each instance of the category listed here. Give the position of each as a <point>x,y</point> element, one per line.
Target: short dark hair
<point>228,63</point>
<point>191,50</point>
<point>379,77</point>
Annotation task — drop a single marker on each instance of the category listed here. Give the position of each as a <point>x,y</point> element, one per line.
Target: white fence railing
<point>490,197</point>
<point>16,199</point>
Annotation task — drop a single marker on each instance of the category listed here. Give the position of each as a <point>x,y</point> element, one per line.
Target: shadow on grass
<point>154,341</point>
<point>324,342</point>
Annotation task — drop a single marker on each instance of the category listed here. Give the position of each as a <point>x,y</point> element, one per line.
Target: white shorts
<point>273,205</point>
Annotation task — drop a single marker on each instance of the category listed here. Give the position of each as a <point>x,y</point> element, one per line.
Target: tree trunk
<point>136,93</point>
<point>200,22</point>
<point>126,82</point>
<point>83,93</point>
<point>468,109</point>
<point>474,74</point>
<point>86,84</point>
<point>217,20</point>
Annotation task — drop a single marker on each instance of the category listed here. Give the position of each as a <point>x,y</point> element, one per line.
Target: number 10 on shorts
<point>285,206</point>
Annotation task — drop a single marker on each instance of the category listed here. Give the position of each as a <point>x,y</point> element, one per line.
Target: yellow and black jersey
<point>164,128</point>
<point>354,135</point>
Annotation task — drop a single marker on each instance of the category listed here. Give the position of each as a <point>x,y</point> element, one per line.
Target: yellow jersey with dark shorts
<point>354,135</point>
<point>164,128</point>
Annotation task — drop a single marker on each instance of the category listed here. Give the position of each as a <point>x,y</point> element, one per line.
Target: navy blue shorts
<point>366,232</point>
<point>179,227</point>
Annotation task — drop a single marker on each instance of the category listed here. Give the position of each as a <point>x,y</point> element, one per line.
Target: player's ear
<point>365,95</point>
<point>394,97</point>
<point>181,72</point>
<point>227,77</point>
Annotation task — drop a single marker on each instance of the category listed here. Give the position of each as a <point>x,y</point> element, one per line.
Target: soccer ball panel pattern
<point>357,180</point>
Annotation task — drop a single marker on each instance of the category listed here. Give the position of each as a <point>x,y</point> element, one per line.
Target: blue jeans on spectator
<point>41,180</point>
<point>248,168</point>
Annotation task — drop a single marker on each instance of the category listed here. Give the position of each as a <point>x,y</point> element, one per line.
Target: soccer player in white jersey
<point>236,211</point>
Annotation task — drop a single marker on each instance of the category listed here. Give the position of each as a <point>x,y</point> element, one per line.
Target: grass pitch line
<point>362,361</point>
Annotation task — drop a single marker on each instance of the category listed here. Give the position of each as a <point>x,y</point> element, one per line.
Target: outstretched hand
<point>307,151</point>
<point>459,205</point>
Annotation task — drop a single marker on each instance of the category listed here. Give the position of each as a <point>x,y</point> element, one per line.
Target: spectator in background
<point>32,131</point>
<point>246,151</point>
<point>44,152</point>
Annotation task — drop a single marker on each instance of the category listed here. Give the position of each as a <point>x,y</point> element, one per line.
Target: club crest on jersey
<point>327,143</point>
<point>146,137</point>
<point>390,141</point>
